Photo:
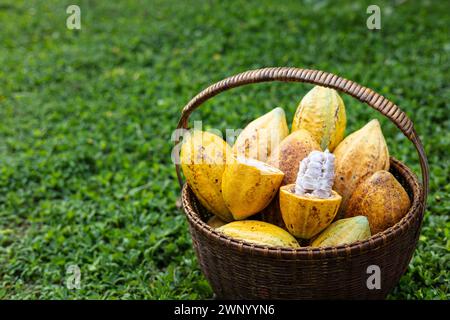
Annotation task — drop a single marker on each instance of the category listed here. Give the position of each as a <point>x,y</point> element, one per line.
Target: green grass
<point>86,119</point>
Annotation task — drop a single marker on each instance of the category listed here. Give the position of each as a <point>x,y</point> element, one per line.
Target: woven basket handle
<point>288,74</point>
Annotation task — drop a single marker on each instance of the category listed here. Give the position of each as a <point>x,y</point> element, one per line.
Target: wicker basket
<point>238,270</point>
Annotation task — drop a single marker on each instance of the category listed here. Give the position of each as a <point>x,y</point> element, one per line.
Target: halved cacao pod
<point>306,216</point>
<point>248,186</point>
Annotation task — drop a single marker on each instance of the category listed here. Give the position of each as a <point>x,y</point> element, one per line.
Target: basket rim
<point>375,241</point>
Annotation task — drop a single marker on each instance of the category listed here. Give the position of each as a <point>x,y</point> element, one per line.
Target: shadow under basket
<point>240,270</point>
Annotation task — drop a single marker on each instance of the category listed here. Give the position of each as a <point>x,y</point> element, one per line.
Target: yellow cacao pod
<point>306,216</point>
<point>344,231</point>
<point>259,232</point>
<point>381,198</point>
<point>293,149</point>
<point>322,113</point>
<point>215,222</point>
<point>262,135</point>
<point>203,157</point>
<point>358,156</point>
<point>248,186</point>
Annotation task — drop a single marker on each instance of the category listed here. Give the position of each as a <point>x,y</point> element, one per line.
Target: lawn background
<point>86,119</point>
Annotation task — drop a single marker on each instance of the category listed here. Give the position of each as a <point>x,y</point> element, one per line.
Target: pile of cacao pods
<point>310,187</point>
